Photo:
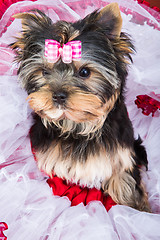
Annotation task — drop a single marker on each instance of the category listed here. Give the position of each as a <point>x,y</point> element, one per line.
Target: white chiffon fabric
<point>27,204</point>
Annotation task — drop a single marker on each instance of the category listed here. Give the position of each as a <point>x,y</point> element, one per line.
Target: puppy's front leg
<point>126,190</point>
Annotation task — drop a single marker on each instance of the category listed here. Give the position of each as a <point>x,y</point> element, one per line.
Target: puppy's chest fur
<point>91,169</point>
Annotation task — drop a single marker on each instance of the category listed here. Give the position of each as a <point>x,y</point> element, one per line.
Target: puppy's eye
<point>45,73</point>
<point>84,72</point>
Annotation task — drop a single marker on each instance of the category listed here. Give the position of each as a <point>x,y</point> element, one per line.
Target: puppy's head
<point>75,96</point>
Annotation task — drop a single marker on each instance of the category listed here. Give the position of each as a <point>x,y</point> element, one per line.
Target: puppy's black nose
<point>60,97</point>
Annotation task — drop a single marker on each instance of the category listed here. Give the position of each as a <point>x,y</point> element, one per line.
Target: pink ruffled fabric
<point>27,204</point>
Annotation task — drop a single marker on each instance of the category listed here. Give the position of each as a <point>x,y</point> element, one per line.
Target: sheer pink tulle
<point>26,201</point>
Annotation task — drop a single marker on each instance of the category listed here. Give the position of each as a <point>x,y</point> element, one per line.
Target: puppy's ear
<point>110,18</point>
<point>34,20</point>
<point>35,28</point>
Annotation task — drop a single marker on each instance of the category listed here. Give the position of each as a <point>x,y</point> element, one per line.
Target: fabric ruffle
<point>27,204</point>
<point>77,194</point>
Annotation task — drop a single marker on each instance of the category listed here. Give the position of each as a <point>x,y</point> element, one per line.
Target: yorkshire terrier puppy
<point>74,74</point>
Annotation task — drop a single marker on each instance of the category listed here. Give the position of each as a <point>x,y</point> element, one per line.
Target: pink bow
<point>70,51</point>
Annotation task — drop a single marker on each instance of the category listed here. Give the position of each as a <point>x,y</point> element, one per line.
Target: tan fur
<point>122,188</point>
<point>41,103</point>
<point>88,129</point>
<point>85,106</point>
<point>81,107</point>
<point>41,100</point>
<point>113,9</point>
<point>93,173</point>
<point>123,46</point>
<point>74,35</point>
<point>26,16</point>
<point>19,43</point>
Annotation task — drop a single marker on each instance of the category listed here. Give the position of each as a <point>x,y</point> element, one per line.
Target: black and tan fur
<point>82,132</point>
